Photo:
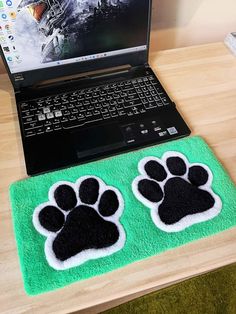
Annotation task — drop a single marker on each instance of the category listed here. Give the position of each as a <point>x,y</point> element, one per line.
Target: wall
<point>179,23</point>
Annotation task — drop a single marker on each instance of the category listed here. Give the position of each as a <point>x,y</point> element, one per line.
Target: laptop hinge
<point>87,75</point>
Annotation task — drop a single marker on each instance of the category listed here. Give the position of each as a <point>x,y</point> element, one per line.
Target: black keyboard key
<point>121,112</point>
<point>113,103</point>
<point>64,119</point>
<point>77,123</point>
<point>80,117</point>
<point>49,129</point>
<point>157,98</point>
<point>29,119</point>
<point>150,106</point>
<point>30,133</point>
<point>133,103</point>
<point>96,112</point>
<point>120,101</point>
<point>150,99</point>
<point>165,101</point>
<point>40,130</point>
<point>82,108</point>
<point>27,114</point>
<point>114,114</point>
<point>72,117</point>
<point>119,106</point>
<point>88,114</point>
<point>98,106</point>
<point>57,127</point>
<point>74,111</point>
<point>106,115</point>
<point>48,123</point>
<point>105,110</point>
<point>33,125</point>
<point>90,107</point>
<point>56,121</point>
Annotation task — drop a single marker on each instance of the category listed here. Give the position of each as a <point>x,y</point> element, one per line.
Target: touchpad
<point>95,140</point>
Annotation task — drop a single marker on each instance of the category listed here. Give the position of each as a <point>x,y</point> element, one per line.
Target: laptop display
<point>40,34</point>
<point>84,89</point>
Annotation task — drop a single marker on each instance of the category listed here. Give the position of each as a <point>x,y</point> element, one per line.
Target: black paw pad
<point>183,198</point>
<point>51,218</point>
<point>198,175</point>
<point>108,204</point>
<point>76,228</point>
<point>176,166</point>
<point>88,191</point>
<point>65,197</point>
<point>155,170</point>
<point>150,190</point>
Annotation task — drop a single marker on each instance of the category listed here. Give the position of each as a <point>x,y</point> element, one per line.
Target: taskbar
<point>22,68</point>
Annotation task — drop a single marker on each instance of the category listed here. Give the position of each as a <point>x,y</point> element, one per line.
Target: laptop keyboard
<point>84,106</point>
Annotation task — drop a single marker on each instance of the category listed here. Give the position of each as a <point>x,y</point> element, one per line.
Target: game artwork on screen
<point>54,30</point>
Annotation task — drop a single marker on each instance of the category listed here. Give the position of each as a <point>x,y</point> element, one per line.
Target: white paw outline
<point>85,255</point>
<point>188,220</point>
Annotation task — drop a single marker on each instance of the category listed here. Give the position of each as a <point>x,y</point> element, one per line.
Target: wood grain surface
<point>202,82</point>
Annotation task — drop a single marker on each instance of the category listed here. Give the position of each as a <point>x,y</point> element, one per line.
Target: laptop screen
<point>38,34</point>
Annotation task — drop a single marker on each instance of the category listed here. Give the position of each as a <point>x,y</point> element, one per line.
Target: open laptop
<point>83,86</point>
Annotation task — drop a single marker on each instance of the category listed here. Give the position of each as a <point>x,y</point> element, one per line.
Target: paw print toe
<point>155,170</point>
<point>176,166</point>
<point>198,175</point>
<point>150,190</point>
<point>65,197</point>
<point>108,204</point>
<point>51,218</point>
<point>89,190</point>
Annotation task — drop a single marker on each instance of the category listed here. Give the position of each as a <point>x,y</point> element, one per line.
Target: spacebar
<point>77,123</point>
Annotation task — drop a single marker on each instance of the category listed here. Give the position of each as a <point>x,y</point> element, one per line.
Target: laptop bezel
<point>33,77</point>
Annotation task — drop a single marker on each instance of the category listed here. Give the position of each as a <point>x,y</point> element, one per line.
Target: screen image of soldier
<point>75,28</point>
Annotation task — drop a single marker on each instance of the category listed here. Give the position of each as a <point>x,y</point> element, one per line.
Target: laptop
<point>83,87</point>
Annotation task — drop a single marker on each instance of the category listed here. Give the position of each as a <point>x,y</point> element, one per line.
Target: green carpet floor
<point>211,293</point>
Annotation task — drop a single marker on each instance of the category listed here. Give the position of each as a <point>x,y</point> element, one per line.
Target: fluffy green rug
<point>143,237</point>
<point>211,293</point>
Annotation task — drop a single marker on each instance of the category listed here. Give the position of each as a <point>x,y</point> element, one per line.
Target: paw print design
<point>178,193</point>
<point>81,222</point>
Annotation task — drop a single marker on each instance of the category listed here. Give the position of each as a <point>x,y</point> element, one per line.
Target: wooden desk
<point>202,81</point>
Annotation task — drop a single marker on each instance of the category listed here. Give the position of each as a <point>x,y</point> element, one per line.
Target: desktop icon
<point>11,37</point>
<point>7,27</point>
<point>9,3</point>
<point>13,15</point>
<point>18,59</point>
<point>9,59</point>
<point>1,4</point>
<point>4,16</point>
<point>6,49</point>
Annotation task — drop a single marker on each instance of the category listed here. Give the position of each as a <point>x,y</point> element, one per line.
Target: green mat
<point>143,238</point>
